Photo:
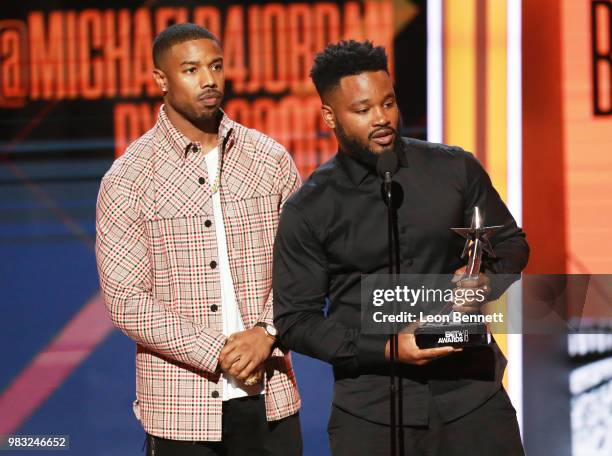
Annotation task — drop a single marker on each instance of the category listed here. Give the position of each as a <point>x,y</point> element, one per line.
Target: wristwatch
<point>270,330</point>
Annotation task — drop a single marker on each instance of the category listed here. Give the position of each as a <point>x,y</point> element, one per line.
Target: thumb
<point>458,274</point>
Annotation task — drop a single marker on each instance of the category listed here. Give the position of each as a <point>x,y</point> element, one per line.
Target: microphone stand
<point>395,385</point>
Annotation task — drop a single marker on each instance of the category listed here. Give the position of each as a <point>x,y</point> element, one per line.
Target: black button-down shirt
<point>334,229</point>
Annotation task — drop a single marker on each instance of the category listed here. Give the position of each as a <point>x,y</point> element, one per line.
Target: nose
<point>381,117</point>
<point>207,79</point>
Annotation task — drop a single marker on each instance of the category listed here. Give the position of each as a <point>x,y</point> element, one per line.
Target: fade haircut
<point>345,58</point>
<point>177,34</point>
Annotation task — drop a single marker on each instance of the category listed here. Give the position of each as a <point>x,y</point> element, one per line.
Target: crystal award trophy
<point>462,334</point>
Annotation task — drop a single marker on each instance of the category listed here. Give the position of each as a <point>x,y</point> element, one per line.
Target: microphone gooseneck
<point>387,162</point>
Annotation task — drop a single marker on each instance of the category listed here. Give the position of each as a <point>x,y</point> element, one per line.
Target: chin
<point>208,113</point>
<point>380,149</point>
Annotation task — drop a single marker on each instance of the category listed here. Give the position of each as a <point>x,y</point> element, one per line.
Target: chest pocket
<point>251,223</point>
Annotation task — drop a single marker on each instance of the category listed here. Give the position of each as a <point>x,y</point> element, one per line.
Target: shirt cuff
<point>207,350</point>
<point>372,350</point>
<point>277,352</point>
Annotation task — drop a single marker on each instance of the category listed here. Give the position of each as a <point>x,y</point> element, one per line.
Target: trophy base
<point>459,335</point>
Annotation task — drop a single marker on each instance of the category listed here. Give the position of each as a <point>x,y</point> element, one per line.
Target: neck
<point>360,154</point>
<point>206,131</point>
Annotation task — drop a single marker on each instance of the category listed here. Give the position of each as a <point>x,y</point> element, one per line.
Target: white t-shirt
<point>232,320</point>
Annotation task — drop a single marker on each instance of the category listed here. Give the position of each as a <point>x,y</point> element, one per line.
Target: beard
<point>195,116</point>
<point>361,151</point>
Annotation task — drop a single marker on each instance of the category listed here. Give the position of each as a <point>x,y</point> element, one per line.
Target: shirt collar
<point>180,146</point>
<point>358,171</point>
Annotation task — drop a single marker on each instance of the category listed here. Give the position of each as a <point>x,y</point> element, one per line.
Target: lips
<point>210,98</point>
<point>383,137</point>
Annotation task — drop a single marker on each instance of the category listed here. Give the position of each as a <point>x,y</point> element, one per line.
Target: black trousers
<point>245,432</point>
<point>491,429</point>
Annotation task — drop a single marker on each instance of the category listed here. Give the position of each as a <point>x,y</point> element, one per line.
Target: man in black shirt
<point>333,230</point>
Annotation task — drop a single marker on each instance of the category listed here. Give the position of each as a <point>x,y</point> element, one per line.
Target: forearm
<point>316,336</point>
<point>151,324</point>
<point>511,254</point>
<point>508,242</point>
<point>266,313</point>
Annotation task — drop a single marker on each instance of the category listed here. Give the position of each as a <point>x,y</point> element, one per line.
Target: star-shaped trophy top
<point>477,232</point>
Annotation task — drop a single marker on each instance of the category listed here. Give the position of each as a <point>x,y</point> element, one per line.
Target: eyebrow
<point>358,102</point>
<point>197,62</point>
<point>367,100</point>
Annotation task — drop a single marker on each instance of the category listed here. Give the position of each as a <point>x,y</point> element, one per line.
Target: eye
<point>389,103</point>
<point>217,66</point>
<point>362,111</point>
<point>190,70</point>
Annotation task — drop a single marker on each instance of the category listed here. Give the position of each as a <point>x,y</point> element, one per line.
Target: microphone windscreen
<point>387,163</point>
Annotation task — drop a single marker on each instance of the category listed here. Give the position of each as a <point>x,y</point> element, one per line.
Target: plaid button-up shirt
<point>157,251</point>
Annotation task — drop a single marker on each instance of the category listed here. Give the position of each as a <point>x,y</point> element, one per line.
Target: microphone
<point>386,166</point>
<point>387,163</point>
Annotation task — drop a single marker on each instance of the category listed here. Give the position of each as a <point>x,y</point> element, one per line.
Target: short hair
<point>345,58</point>
<point>176,34</point>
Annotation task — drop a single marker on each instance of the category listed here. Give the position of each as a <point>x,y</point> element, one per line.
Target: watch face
<point>271,330</point>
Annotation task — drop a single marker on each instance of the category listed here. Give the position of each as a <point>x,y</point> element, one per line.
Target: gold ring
<point>252,380</point>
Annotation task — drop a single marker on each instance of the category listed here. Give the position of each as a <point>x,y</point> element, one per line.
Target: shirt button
<point>207,223</point>
<point>215,394</point>
<point>201,180</point>
<point>214,307</point>
<point>213,264</point>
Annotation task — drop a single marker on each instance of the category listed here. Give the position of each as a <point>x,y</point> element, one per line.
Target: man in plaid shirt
<point>186,220</point>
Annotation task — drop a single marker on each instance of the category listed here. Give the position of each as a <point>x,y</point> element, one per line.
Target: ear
<point>328,116</point>
<point>160,80</point>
